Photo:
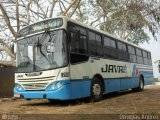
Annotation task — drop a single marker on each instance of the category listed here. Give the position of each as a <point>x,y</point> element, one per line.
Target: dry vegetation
<point>145,102</point>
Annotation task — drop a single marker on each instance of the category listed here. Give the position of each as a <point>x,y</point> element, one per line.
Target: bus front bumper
<point>62,93</point>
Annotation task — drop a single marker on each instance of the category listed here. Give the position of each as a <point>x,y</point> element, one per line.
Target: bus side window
<point>110,50</point>
<point>99,45</point>
<point>78,43</point>
<point>122,51</point>
<point>79,48</point>
<point>75,36</point>
<point>139,56</point>
<point>83,44</point>
<point>132,52</point>
<point>149,59</point>
<point>145,59</point>
<point>92,43</point>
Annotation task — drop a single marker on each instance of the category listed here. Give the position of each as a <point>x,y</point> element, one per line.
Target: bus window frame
<point>117,50</point>
<point>69,44</point>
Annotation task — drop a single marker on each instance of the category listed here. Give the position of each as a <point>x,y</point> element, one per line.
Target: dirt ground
<point>127,102</point>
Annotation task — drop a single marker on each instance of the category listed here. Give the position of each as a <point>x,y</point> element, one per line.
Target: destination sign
<point>41,26</point>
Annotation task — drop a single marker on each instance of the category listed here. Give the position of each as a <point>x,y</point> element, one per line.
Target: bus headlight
<point>59,84</point>
<point>18,87</point>
<point>52,87</point>
<point>56,85</point>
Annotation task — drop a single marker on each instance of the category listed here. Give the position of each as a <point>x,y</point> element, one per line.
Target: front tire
<point>96,90</point>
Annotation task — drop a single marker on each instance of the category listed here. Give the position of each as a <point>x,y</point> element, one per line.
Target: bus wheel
<point>141,85</point>
<point>96,90</point>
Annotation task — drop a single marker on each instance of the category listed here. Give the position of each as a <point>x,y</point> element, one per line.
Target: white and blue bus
<point>62,59</point>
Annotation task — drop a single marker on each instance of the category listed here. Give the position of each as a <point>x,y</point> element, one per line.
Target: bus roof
<point>92,28</point>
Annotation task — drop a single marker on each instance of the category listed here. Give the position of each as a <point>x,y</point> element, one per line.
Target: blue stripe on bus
<point>113,85</point>
<point>82,88</point>
<point>140,72</point>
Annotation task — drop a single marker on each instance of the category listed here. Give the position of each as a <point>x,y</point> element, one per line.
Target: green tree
<point>127,19</point>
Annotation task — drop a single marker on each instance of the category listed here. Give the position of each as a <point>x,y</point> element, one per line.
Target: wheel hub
<point>96,89</point>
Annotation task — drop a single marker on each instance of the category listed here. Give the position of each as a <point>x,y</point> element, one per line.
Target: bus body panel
<point>113,81</point>
<point>62,93</point>
<point>80,88</point>
<point>75,79</point>
<point>105,67</point>
<point>79,85</point>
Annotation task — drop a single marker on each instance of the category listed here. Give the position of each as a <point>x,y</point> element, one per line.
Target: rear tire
<point>141,85</point>
<point>96,90</point>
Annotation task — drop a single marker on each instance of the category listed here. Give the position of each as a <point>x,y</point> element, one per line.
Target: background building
<point>6,81</point>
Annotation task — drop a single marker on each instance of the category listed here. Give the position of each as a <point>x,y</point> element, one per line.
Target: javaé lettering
<point>114,69</point>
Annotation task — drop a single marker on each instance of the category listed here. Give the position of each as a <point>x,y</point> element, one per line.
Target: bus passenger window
<point>122,51</point>
<point>132,53</point>
<point>92,43</point>
<point>109,48</point>
<point>139,56</point>
<point>79,49</point>
<point>145,59</point>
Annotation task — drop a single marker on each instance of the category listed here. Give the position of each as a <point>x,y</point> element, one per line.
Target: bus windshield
<point>43,51</point>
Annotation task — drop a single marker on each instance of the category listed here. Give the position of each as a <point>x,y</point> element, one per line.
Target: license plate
<point>17,95</point>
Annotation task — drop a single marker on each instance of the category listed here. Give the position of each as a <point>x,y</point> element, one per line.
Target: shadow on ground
<point>66,103</point>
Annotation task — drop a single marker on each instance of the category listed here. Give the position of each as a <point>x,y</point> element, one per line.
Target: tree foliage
<point>127,19</point>
<point>16,14</point>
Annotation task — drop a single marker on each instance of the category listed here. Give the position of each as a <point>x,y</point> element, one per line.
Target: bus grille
<point>35,83</point>
<point>35,86</point>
